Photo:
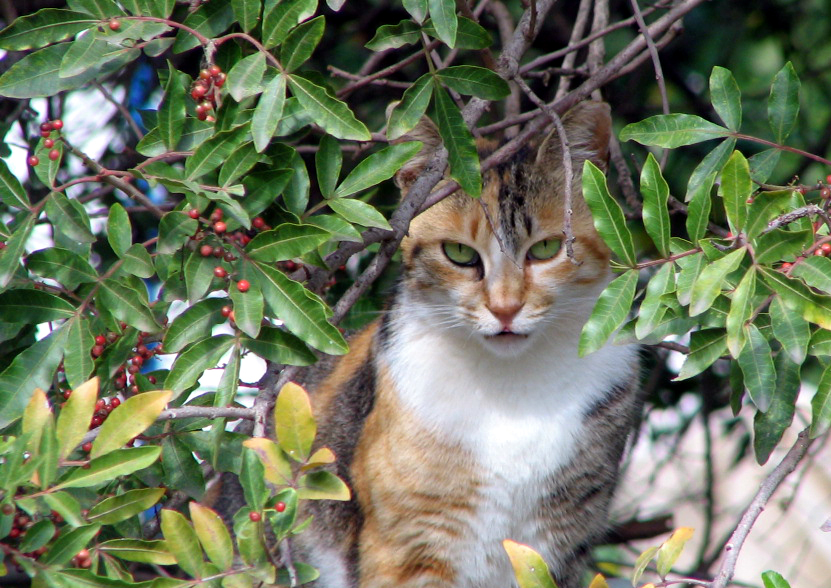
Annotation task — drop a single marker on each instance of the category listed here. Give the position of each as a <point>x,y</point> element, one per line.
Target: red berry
<point>34,160</point>
<point>151,379</point>
<point>97,350</point>
<point>100,340</point>
<point>204,74</point>
<point>258,222</point>
<point>220,272</point>
<point>142,350</point>
<point>825,192</point>
<point>47,127</point>
<point>48,143</point>
<point>216,215</point>
<point>206,250</point>
<point>133,369</point>
<point>45,134</point>
<point>826,247</point>
<point>87,447</point>
<point>114,24</point>
<point>218,252</point>
<point>229,257</point>
<point>280,506</point>
<point>254,516</point>
<point>137,360</point>
<point>231,317</point>
<point>198,91</point>
<point>115,403</point>
<point>14,533</point>
<point>226,311</point>
<point>219,79</point>
<point>201,114</point>
<point>819,252</point>
<point>219,227</point>
<point>100,404</point>
<point>96,421</point>
<point>828,179</point>
<point>193,213</point>
<point>243,285</point>
<point>121,382</point>
<point>54,154</point>
<point>57,124</point>
<point>214,70</point>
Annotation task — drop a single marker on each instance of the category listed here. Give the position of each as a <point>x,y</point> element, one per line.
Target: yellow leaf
<point>529,568</point>
<point>321,457</point>
<point>73,422</point>
<point>599,582</point>
<point>672,548</point>
<point>277,468</point>
<point>213,535</point>
<point>35,416</point>
<point>293,421</point>
<point>131,418</point>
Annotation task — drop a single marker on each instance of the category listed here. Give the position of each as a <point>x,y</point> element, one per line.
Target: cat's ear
<point>426,132</point>
<point>588,126</point>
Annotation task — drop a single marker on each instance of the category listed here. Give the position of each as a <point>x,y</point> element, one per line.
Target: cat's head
<point>494,269</point>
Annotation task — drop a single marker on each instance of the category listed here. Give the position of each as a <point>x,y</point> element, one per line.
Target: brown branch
<point>757,505</point>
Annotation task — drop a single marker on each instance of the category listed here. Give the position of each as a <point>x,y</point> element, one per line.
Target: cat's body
<point>464,416</point>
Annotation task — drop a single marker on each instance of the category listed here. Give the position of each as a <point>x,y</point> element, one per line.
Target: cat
<point>464,416</point>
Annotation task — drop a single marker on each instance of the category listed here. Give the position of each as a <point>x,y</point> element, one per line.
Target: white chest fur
<point>518,418</point>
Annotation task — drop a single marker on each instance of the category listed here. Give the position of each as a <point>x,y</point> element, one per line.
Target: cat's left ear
<point>588,126</point>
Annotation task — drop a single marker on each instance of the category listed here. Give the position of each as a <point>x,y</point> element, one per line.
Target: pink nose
<point>506,313</point>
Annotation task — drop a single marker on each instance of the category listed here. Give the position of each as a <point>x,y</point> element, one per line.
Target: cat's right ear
<point>426,132</point>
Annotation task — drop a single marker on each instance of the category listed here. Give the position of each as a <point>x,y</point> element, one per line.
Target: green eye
<point>460,254</point>
<point>545,249</point>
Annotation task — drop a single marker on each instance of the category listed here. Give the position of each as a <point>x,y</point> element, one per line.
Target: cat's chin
<point>507,343</point>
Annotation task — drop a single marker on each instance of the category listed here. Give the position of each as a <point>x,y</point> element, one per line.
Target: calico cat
<point>464,416</point>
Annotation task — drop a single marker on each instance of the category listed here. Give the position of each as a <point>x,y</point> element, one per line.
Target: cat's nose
<point>506,313</point>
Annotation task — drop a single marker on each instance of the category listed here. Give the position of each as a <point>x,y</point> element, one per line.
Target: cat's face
<point>495,270</point>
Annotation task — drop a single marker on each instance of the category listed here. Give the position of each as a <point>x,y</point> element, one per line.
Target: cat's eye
<point>545,249</point>
<point>460,254</point>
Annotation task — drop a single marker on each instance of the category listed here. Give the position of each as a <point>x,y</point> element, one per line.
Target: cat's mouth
<point>506,336</point>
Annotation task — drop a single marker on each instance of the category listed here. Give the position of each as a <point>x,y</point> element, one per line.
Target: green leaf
<point>175,228</point>
<point>642,562</point>
<point>194,324</point>
<point>16,245</point>
<point>757,366</point>
<point>655,192</point>
<point>192,363</point>
<point>212,19</point>
<point>303,314</point>
<point>445,21</point>
<point>67,506</point>
<point>461,147</point>
<point>339,228</point>
<point>416,8</point>
<point>322,485</point>
<point>609,313</point>
<point>269,111</point>
<point>12,193</point>
<point>736,187</point>
<point>768,427</point>
<point>247,13</point>
<point>815,270</point>
<point>69,544</point>
<point>286,241</point>
<point>294,424</point>
<point>101,9</point>
<point>181,470</point>
<point>706,346</point>
<point>42,28</point>
<point>672,130</point>
<point>474,80</point>
<point>301,43</point>
<point>698,212</point>
<point>68,219</point>
<point>412,107</point>
<point>276,467</point>
<point>248,308</point>
<point>129,420</point>
<point>171,113</point>
<point>182,542</point>
<point>89,54</point>
<point>406,32</point>
<point>38,535</point>
<point>774,580</point>
<point>820,342</point>
<point>608,216</point>
<point>33,306</point>
<point>198,275</point>
<point>469,34</point>
<point>119,229</point>
<point>280,347</point>
<point>252,478</point>
<point>799,298</point>
<point>790,329</point>
<point>124,506</point>
<point>214,152</point>
<point>378,167</point>
<point>73,421</point>
<point>726,97</point>
<point>741,309</point>
<point>821,406</point>
<point>781,244</point>
<point>126,304</point>
<point>783,103</point>
<point>214,537</point>
<point>709,168</point>
<point>530,569</point>
<point>138,262</point>
<point>32,368</point>
<point>708,284</point>
<point>246,76</point>
<point>279,17</point>
<point>652,308</point>
<point>765,207</point>
<point>330,113</point>
<point>762,164</point>
<point>61,265</point>
<point>359,213</point>
<point>328,162</point>
<point>671,548</point>
<point>238,164</point>
<point>108,467</point>
<point>149,552</point>
<point>282,522</point>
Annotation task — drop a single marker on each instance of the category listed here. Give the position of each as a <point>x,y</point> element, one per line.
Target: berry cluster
<point>205,91</point>
<point>48,142</point>
<point>21,523</point>
<point>126,374</point>
<point>103,408</point>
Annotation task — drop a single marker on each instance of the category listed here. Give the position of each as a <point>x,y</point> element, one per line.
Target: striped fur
<point>464,417</point>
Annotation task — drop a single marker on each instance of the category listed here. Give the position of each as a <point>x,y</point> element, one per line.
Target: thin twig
<point>577,31</point>
<point>125,113</point>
